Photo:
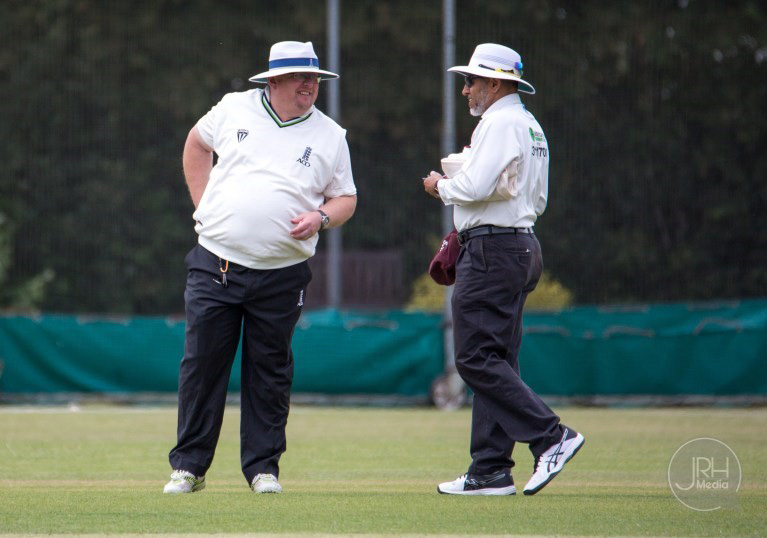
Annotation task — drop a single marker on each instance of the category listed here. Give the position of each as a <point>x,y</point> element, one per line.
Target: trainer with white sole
<point>282,175</point>
<point>550,463</point>
<point>496,484</point>
<point>498,187</point>
<point>265,483</point>
<point>184,482</point>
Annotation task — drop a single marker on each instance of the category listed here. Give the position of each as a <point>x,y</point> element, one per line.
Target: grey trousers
<point>494,275</point>
<point>263,306</point>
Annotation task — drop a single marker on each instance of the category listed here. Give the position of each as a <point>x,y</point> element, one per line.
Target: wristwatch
<point>325,219</point>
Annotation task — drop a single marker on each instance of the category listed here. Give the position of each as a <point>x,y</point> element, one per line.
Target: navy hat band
<point>294,62</point>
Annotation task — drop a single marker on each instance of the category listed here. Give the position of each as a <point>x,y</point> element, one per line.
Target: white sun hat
<point>453,163</point>
<point>292,57</point>
<point>495,61</point>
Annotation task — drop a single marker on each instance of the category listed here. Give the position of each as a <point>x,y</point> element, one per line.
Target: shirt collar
<point>505,101</point>
<point>273,114</point>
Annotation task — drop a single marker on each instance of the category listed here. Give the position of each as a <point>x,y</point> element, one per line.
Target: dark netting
<point>653,112</point>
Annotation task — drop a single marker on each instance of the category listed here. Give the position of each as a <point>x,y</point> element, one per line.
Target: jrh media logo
<point>704,474</point>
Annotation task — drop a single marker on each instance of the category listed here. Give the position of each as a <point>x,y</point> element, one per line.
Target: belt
<point>478,231</point>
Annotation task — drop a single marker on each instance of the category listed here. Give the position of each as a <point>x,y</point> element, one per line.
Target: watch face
<point>325,220</point>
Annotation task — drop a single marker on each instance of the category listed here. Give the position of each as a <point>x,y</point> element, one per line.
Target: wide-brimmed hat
<point>495,61</point>
<point>292,57</point>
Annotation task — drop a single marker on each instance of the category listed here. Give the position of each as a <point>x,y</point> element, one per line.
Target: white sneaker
<point>551,462</point>
<point>499,483</point>
<point>184,482</point>
<point>265,483</point>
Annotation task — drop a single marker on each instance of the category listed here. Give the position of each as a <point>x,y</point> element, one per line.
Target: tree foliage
<point>652,111</point>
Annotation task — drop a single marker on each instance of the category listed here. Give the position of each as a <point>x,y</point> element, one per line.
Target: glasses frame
<point>468,80</point>
<point>305,77</point>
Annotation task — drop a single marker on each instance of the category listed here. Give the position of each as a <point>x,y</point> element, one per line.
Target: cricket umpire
<point>282,175</point>
<point>497,196</point>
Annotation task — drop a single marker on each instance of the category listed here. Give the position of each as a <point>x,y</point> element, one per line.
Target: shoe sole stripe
<point>553,475</point>
<point>194,489</point>
<point>510,490</point>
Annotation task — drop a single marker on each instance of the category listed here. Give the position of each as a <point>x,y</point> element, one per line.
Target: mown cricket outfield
<point>100,470</point>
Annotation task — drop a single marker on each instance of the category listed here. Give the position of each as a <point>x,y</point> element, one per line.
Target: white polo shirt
<point>505,132</point>
<point>267,172</point>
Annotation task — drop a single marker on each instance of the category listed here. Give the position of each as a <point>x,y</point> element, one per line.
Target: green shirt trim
<point>276,118</point>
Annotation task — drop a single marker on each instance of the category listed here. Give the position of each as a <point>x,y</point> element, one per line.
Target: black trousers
<point>264,306</point>
<point>494,275</point>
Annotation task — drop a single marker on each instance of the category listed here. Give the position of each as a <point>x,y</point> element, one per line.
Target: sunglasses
<point>469,79</point>
<point>308,77</point>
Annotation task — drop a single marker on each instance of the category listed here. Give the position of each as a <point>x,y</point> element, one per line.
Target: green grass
<point>100,470</point>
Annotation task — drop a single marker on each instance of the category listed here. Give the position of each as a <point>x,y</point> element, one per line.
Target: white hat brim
<point>277,71</point>
<point>487,73</point>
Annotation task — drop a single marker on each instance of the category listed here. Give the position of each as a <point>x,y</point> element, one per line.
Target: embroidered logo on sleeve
<point>537,136</point>
<point>305,158</point>
<point>540,148</point>
<point>241,134</point>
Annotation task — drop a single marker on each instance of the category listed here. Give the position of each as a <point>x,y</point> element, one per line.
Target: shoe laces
<point>183,475</point>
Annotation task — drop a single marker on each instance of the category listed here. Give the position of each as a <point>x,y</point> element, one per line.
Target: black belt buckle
<point>484,229</point>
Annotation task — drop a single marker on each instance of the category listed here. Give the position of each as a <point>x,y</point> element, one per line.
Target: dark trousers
<point>494,275</point>
<point>264,306</point>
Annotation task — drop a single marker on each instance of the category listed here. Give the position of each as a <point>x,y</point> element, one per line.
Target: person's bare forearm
<point>198,162</point>
<point>340,209</point>
<point>309,223</point>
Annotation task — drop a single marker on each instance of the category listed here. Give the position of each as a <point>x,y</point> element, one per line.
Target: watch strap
<point>325,219</point>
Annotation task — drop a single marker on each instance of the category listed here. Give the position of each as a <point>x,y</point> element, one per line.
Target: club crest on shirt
<point>241,134</point>
<point>537,136</point>
<point>304,159</point>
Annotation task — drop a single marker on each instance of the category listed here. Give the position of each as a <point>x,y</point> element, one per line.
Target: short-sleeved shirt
<point>268,171</point>
<point>507,131</point>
